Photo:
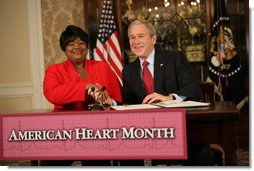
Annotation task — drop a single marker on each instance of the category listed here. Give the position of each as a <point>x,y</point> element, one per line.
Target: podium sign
<point>84,135</point>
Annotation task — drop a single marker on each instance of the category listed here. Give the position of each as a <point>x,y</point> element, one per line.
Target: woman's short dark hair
<point>70,34</point>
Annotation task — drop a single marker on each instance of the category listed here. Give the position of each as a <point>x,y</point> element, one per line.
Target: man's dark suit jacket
<point>172,74</point>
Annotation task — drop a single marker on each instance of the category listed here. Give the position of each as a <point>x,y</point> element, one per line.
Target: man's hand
<point>155,98</point>
<point>103,98</point>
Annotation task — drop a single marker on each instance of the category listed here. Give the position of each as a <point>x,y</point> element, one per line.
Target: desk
<point>215,124</point>
<point>209,125</point>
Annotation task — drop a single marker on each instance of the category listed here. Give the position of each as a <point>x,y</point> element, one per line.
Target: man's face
<point>76,51</point>
<point>140,41</point>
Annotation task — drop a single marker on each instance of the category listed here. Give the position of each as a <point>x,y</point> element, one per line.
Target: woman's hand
<point>93,88</point>
<point>99,94</point>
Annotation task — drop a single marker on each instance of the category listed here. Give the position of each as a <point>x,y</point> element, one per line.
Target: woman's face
<point>76,51</point>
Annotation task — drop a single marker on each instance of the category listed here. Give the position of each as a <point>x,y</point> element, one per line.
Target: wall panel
<point>14,59</point>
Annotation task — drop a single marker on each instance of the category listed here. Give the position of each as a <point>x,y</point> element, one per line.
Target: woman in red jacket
<point>69,84</point>
<point>77,82</point>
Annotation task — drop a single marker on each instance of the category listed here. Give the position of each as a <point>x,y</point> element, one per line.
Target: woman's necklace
<point>81,71</point>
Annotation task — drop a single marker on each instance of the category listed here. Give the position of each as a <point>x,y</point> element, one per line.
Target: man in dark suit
<point>172,78</point>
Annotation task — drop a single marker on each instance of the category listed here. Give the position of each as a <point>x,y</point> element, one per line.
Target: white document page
<point>178,103</point>
<point>135,106</point>
<point>166,104</point>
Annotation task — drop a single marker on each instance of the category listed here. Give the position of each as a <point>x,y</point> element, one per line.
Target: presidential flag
<point>107,45</point>
<point>225,65</point>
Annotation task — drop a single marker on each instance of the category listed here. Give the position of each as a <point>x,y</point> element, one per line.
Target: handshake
<point>99,94</point>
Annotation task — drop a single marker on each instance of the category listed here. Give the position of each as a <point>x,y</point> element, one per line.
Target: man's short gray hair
<point>147,23</point>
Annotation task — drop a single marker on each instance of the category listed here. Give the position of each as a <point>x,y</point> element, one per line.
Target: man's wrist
<point>114,103</point>
<point>177,97</point>
<point>172,96</point>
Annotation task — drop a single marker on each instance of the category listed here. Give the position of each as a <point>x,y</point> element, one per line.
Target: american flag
<point>107,45</point>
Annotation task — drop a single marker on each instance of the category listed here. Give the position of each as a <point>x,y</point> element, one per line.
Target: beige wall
<point>56,15</point>
<point>29,32</point>
<point>14,59</point>
<point>12,104</point>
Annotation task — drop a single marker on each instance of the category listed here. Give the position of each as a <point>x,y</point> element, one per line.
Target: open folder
<point>166,104</point>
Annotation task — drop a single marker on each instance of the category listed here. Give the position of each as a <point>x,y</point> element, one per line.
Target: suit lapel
<point>159,65</point>
<point>138,80</point>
